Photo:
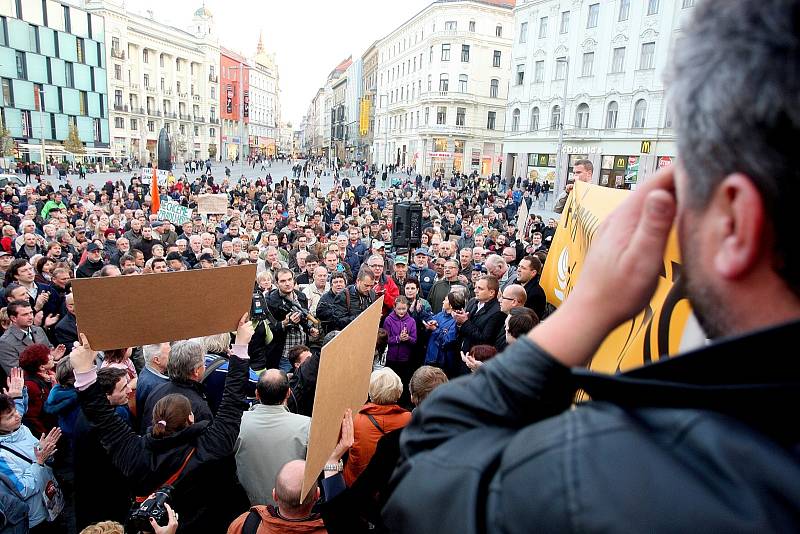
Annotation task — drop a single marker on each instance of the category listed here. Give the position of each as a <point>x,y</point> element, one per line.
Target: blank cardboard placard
<point>342,383</point>
<point>212,204</point>
<point>130,311</point>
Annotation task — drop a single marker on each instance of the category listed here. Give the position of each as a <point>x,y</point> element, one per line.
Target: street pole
<point>561,184</point>
<point>41,128</point>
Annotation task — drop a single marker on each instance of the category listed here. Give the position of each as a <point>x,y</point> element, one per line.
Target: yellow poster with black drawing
<point>658,331</point>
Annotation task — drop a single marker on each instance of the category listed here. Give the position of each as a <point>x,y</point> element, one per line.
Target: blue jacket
<point>426,278</point>
<point>355,255</point>
<point>63,402</point>
<point>442,343</point>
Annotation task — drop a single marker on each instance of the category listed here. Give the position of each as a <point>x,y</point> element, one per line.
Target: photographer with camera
<point>289,327</point>
<point>189,456</point>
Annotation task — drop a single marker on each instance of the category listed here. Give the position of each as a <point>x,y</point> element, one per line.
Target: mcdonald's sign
<point>363,119</point>
<point>645,147</point>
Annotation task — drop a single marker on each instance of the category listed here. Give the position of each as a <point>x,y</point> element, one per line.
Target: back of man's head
<point>272,388</point>
<point>184,357</point>
<point>288,486</point>
<point>423,381</point>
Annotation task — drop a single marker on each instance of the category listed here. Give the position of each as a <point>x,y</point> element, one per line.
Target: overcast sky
<point>309,37</point>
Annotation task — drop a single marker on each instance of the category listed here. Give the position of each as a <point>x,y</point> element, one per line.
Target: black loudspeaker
<point>407,225</point>
<point>164,151</point>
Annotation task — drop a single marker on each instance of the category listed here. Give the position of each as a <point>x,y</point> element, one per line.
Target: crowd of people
<point>219,426</point>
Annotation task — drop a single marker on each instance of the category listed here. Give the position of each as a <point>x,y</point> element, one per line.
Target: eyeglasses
<point>508,298</point>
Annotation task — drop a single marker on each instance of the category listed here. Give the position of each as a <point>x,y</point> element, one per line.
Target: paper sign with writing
<point>173,212</point>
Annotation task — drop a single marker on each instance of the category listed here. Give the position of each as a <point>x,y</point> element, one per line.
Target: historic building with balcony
<point>161,76</point>
<point>441,90</point>
<point>586,82</point>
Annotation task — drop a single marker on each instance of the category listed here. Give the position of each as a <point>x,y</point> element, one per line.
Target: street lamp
<point>560,155</point>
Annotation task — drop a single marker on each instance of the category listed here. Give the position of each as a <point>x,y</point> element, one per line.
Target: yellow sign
<point>645,147</point>
<point>363,122</point>
<point>658,331</point>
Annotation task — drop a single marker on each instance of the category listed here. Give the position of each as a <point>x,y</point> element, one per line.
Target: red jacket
<point>390,292</point>
<point>39,421</point>
<point>389,417</point>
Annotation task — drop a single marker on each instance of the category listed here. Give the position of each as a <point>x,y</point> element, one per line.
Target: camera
<point>139,519</point>
<point>258,308</point>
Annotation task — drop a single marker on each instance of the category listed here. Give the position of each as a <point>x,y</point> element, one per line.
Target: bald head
<point>513,296</point>
<point>273,387</point>
<point>288,485</point>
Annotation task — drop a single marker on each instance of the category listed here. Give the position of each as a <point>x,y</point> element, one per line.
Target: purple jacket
<point>400,351</point>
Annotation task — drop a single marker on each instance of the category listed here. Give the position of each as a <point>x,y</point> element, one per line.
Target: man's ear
<point>737,219</point>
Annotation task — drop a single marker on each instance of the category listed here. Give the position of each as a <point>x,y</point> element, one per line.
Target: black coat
<point>483,326</point>
<point>194,391</point>
<point>279,309</point>
<point>692,440</point>
<point>326,311</point>
<point>536,299</point>
<point>349,304</point>
<point>148,462</point>
<point>304,386</point>
<point>66,332</point>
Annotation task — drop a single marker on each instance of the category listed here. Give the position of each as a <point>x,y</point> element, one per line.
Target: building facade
<point>352,108</point>
<point>369,84</point>
<point>160,76</point>
<point>234,104</point>
<point>442,87</point>
<point>264,103</point>
<point>53,74</point>
<point>587,83</point>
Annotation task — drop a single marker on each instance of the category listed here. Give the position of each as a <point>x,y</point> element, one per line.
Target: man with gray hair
<point>686,439</point>
<point>185,369</point>
<point>153,374</point>
<point>500,269</point>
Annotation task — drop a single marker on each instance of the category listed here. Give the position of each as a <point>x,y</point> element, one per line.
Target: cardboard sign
<point>146,174</point>
<point>173,212</point>
<point>212,204</point>
<point>664,328</point>
<point>342,383</point>
<point>128,311</point>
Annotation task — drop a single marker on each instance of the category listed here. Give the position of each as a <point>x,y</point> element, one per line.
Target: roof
<point>498,3</point>
<point>203,12</point>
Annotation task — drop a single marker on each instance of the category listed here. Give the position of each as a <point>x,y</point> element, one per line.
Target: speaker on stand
<point>406,225</point>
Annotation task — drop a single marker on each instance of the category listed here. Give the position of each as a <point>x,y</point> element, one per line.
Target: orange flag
<point>155,202</point>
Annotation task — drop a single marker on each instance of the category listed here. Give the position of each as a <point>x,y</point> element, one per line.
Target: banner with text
<point>173,212</point>
<point>660,330</point>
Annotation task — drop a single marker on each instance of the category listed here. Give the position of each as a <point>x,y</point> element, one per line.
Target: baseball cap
<point>422,250</point>
<point>401,260</point>
<point>378,244</point>
<point>91,247</point>
<point>206,257</point>
<point>4,253</point>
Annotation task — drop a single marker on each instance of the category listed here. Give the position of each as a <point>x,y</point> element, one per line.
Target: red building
<point>234,70</point>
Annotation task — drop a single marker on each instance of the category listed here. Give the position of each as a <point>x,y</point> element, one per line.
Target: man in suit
<point>482,320</point>
<point>21,334</point>
<point>528,276</point>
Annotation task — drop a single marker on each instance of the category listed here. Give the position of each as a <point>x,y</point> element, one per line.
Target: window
<point>117,72</point>
<point>461,114</point>
<point>618,60</point>
<point>498,31</point>
<point>496,59</point>
<point>538,72</point>
<point>441,115</point>
<point>444,83</point>
<point>472,25</point>
<point>83,101</point>
<point>151,126</point>
<point>520,74</point>
<point>80,49</point>
<point>118,97</point>
<point>582,116</point>
<point>145,56</point>
<point>429,83</point>
<point>564,22</point>
<point>450,25</point>
<point>33,37</point>
<point>69,74</point>
<point>494,85</point>
<point>67,20</point>
<point>163,84</point>
<point>542,27</point>
<point>147,80</point>
<point>114,44</point>
<point>594,15</point>
<point>462,83</point>
<point>555,118</point>
<point>196,131</point>
<point>534,119</point>
<point>515,120</point>
<point>134,124</point>
<point>652,7</point>
<point>430,56</point>
<point>464,53</point>
<point>212,132</point>
<point>624,10</point>
<point>561,68</point>
<point>446,52</point>
<point>687,3</point>
<point>119,122</point>
<point>523,32</point>
<point>26,123</point>
<point>178,86</point>
<point>490,120</point>
<point>427,115</point>
<point>98,131</point>
<point>178,65</point>
<point>588,64</point>
<point>668,118</point>
<point>640,113</point>
<point>22,72</point>
<point>8,93</point>
<point>611,115</point>
<point>648,56</point>
<point>3,31</point>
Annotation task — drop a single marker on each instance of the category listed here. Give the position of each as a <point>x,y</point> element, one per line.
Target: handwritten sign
<point>173,212</point>
<point>212,204</point>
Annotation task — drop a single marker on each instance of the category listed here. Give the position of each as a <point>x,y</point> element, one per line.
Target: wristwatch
<point>336,468</point>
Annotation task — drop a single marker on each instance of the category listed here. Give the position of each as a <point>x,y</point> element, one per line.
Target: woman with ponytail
<point>192,457</point>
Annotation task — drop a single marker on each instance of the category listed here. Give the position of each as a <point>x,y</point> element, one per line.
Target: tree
<point>73,142</point>
<point>6,142</point>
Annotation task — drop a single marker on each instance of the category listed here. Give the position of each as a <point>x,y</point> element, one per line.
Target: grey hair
<point>184,358</point>
<point>150,351</point>
<point>734,89</point>
<point>385,386</point>
<point>494,259</point>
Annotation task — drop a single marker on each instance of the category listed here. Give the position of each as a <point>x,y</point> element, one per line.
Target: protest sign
<point>173,212</point>
<point>660,330</point>
<point>125,311</point>
<point>342,382</point>
<point>212,204</point>
<point>146,174</point>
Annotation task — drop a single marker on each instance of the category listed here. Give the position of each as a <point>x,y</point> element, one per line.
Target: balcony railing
<point>154,112</point>
<point>213,78</point>
<point>151,90</point>
<point>185,117</point>
<point>170,115</point>
<point>134,86</point>
<point>198,118</point>
<point>183,95</point>
<point>120,107</point>
<point>117,53</point>
<point>213,120</point>
<point>196,98</point>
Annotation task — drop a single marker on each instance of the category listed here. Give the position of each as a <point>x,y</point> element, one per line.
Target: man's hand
<point>461,317</point>
<point>171,527</point>
<point>630,241</point>
<point>470,361</point>
<point>295,317</point>
<point>47,445</point>
<point>14,383</point>
<point>245,330</point>
<point>346,438</point>
<point>82,355</point>
<point>41,300</point>
<point>50,321</point>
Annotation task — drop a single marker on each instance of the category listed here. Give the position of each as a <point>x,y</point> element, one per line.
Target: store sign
<point>645,148</point>
<point>363,118</point>
<point>441,155</point>
<point>246,104</point>
<point>229,99</point>
<point>476,158</point>
<point>570,149</point>
<point>632,173</point>
<point>620,163</point>
<point>664,161</point>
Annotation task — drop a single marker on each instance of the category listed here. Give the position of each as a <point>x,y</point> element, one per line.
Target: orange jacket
<point>271,523</point>
<point>389,417</point>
